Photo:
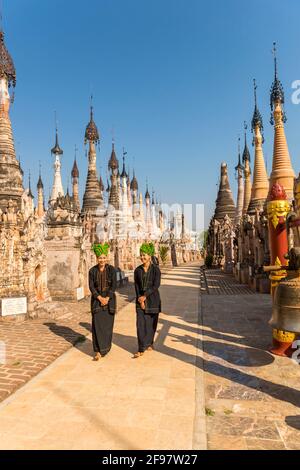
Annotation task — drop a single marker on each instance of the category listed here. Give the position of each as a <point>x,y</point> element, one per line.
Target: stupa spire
<point>113,166</point>
<point>260,186</point>
<point>224,202</point>
<point>40,188</point>
<point>240,194</point>
<point>247,173</point>
<point>282,170</point>
<point>92,198</point>
<point>11,178</point>
<point>57,188</point>
<point>75,181</point>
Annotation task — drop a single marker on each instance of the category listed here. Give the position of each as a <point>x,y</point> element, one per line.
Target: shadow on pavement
<point>73,337</point>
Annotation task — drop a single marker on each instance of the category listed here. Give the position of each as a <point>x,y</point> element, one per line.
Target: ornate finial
<point>147,195</point>
<point>277,93</point>
<point>108,186</point>
<point>124,174</point>
<point>40,182</point>
<point>113,135</point>
<point>239,165</point>
<point>92,109</point>
<point>21,169</point>
<point>255,87</point>
<point>91,133</point>
<point>113,163</point>
<point>245,132</point>
<point>29,185</point>
<point>246,153</point>
<point>7,68</point>
<point>256,119</point>
<point>56,149</point>
<point>1,16</point>
<point>275,59</point>
<point>102,188</point>
<point>75,171</point>
<point>134,184</point>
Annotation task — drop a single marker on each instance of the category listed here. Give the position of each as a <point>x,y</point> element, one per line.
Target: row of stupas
<point>121,197</point>
<point>46,250</point>
<point>238,235</point>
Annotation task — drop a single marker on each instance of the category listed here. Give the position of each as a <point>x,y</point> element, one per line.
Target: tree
<point>163,253</point>
<point>203,239</point>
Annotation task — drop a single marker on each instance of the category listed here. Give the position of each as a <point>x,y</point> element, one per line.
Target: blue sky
<point>172,77</point>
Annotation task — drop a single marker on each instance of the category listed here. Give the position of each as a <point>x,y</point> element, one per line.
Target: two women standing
<point>103,283</point>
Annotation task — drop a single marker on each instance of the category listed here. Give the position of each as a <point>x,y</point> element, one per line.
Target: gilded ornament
<point>277,209</point>
<point>283,336</point>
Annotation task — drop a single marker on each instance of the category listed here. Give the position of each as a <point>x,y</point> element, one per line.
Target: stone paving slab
<point>119,402</point>
<point>252,398</point>
<point>216,282</point>
<point>34,344</point>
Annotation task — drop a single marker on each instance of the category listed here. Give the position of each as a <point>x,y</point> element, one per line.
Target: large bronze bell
<point>286,302</point>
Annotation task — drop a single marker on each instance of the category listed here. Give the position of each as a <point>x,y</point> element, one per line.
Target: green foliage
<point>163,253</point>
<point>209,260</point>
<point>203,239</point>
<point>209,412</point>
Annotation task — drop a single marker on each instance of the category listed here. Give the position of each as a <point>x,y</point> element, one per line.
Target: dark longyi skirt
<point>146,324</point>
<point>102,330</point>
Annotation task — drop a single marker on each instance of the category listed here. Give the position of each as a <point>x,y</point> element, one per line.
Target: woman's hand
<point>142,301</point>
<point>103,300</point>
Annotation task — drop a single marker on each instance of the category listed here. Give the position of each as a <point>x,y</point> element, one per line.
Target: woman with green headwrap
<point>148,304</point>
<point>102,283</point>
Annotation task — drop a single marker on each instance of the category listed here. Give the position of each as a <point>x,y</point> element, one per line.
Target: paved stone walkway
<point>34,344</point>
<point>216,282</point>
<point>210,383</point>
<point>154,402</point>
<point>252,397</point>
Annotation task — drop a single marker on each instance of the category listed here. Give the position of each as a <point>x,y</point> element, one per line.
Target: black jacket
<point>94,286</point>
<point>151,292</point>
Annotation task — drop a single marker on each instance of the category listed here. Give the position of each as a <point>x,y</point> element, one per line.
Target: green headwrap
<point>147,248</point>
<point>100,249</point>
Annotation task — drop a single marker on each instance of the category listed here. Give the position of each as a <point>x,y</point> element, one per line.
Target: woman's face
<point>102,260</point>
<point>145,258</point>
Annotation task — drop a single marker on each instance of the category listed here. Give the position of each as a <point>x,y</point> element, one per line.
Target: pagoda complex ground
<point>210,383</point>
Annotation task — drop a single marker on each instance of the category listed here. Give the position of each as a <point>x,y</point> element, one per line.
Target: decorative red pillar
<point>278,207</point>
